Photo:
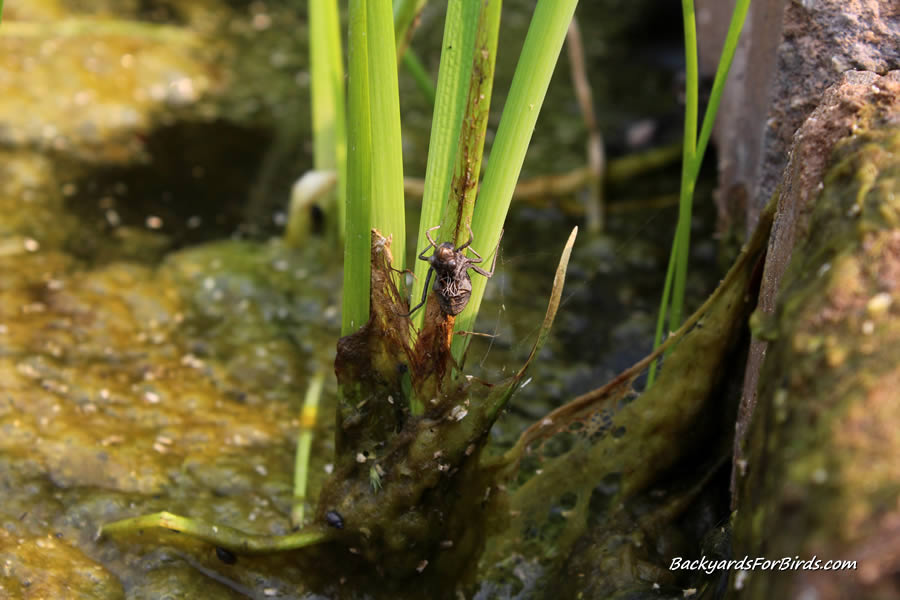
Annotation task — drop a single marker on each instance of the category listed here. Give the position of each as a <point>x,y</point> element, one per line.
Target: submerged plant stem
<point>219,535</point>
<point>420,75</point>
<point>304,443</point>
<point>596,155</point>
<point>563,184</point>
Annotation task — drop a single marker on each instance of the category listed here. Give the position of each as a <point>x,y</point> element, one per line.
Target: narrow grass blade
<point>532,77</point>
<point>559,280</point>
<point>691,166</point>
<point>663,307</point>
<point>715,97</point>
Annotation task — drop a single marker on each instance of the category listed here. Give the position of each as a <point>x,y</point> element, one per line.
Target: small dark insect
<point>334,519</point>
<point>225,556</point>
<point>453,285</point>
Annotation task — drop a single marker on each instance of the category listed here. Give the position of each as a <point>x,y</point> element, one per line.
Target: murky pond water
<point>156,337</point>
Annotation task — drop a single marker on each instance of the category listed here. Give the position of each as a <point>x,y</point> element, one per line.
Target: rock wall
<point>817,474</point>
<point>791,51</point>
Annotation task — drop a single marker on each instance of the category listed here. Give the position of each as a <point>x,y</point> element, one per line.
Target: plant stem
<point>388,212</point>
<point>543,43</point>
<point>452,89</point>
<point>464,186</point>
<point>219,535</point>
<point>688,180</point>
<point>355,304</point>
<point>691,166</point>
<point>327,91</point>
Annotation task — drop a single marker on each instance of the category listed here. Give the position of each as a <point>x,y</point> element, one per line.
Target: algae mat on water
<point>126,389</point>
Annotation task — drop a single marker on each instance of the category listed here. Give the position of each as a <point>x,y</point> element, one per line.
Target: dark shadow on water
<point>192,188</point>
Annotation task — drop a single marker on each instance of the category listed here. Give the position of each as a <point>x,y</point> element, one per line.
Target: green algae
<point>626,551</point>
<point>118,404</point>
<point>629,442</point>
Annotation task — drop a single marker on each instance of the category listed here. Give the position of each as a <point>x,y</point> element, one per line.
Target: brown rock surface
<point>791,51</point>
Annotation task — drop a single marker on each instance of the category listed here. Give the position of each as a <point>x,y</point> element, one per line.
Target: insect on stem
<point>453,285</point>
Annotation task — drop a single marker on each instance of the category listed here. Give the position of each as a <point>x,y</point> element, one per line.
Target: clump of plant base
<point>428,502</point>
<point>408,491</point>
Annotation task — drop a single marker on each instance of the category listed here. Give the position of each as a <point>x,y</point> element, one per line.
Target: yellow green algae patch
<point>113,123</point>
<point>91,87</point>
<point>822,475</point>
<point>126,389</point>
<point>24,571</point>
